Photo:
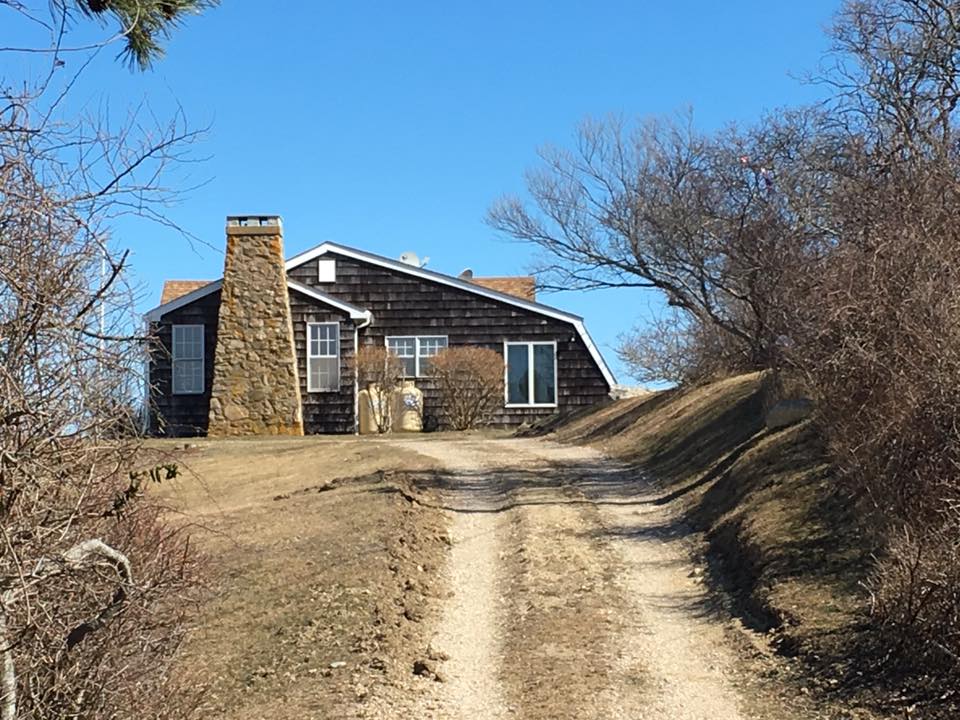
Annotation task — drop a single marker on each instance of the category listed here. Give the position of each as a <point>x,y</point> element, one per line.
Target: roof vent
<point>411,258</point>
<point>466,274</point>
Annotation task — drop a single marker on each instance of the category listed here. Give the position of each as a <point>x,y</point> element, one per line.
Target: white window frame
<point>175,359</point>
<point>417,357</point>
<point>311,356</point>
<point>531,394</point>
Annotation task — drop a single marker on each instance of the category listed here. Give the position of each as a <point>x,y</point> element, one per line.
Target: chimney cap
<point>254,221</point>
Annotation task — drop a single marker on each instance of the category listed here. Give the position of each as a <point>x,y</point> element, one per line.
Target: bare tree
<point>86,591</point>
<point>676,348</point>
<point>712,222</point>
<point>95,580</point>
<point>894,72</point>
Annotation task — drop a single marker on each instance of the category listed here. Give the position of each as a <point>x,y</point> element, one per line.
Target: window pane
<point>324,341</point>
<point>188,376</point>
<point>323,357</point>
<point>518,374</point>
<point>324,374</point>
<point>430,346</point>
<point>187,342</point>
<point>544,382</point>
<point>403,347</point>
<point>187,367</point>
<point>409,366</point>
<point>196,375</point>
<point>328,340</point>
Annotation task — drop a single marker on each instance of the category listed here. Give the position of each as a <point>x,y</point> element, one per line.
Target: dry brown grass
<point>782,541</point>
<point>317,556</point>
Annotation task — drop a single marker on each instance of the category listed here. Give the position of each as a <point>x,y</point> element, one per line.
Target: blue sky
<point>393,126</point>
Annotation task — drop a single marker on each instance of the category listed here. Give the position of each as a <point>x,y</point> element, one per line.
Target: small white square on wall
<point>327,271</point>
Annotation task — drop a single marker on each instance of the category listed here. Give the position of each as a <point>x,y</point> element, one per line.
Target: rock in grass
<point>788,412</point>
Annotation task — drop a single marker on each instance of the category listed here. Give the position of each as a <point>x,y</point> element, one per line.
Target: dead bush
<point>470,382</point>
<point>879,344</point>
<point>379,370</point>
<point>95,580</point>
<point>915,598</point>
<point>676,348</point>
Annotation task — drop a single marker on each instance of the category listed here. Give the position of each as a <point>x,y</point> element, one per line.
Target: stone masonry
<point>256,390</point>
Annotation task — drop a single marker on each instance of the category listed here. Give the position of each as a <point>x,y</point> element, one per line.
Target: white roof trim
<point>158,312</point>
<point>536,307</point>
<point>356,313</point>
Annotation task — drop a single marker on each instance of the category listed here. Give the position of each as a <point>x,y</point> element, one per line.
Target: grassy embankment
<point>782,540</point>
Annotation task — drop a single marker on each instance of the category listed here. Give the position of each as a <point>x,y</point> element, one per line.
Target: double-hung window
<point>188,360</point>
<point>531,374</point>
<point>323,357</point>
<point>415,351</point>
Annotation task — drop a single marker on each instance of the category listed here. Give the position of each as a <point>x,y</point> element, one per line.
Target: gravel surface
<point>573,595</point>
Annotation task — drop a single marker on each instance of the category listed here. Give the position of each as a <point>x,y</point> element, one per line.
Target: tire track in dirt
<point>567,616</point>
<point>691,670</point>
<point>469,631</point>
<point>575,597</point>
<point>691,674</point>
<point>536,615</point>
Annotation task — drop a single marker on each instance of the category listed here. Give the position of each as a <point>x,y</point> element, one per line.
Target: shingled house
<point>269,348</point>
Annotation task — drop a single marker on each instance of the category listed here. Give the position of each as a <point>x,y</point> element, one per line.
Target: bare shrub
<point>915,594</point>
<point>675,348</point>
<point>380,370</point>
<point>880,347</point>
<point>877,336</point>
<point>470,381</point>
<point>95,579</point>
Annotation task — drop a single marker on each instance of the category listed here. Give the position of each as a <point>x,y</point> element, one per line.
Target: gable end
<point>469,287</point>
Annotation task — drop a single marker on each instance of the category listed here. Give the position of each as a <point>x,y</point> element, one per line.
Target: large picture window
<point>416,351</point>
<point>323,357</point>
<point>531,374</point>
<point>188,368</point>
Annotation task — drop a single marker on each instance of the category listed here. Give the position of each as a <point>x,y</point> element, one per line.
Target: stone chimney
<point>256,390</point>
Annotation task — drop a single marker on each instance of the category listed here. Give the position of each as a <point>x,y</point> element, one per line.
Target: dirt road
<point>573,595</point>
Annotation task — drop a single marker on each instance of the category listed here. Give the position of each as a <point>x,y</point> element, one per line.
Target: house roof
<point>173,289</point>
<point>472,287</point>
<point>523,287</point>
<point>161,310</point>
<point>547,310</point>
<point>355,312</point>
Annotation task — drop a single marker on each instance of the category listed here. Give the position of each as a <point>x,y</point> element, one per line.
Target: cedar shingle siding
<point>406,305</point>
<point>324,412</point>
<point>182,415</point>
<point>402,304</point>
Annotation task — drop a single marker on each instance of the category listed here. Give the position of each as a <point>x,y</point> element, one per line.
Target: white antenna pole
<point>103,306</point>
